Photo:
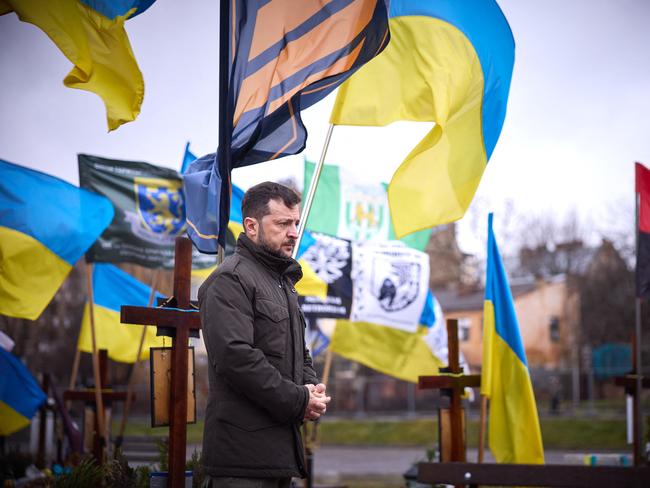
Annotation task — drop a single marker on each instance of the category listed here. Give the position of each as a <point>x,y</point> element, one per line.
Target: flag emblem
<point>328,256</point>
<point>400,284</point>
<point>365,215</point>
<point>160,210</point>
<point>390,284</point>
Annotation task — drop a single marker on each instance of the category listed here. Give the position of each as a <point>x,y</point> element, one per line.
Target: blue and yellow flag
<point>20,395</point>
<point>113,288</point>
<point>46,225</point>
<point>90,33</point>
<point>448,62</point>
<point>514,434</point>
<point>188,158</point>
<point>285,56</point>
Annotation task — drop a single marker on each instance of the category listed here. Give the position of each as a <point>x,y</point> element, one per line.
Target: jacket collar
<point>280,265</point>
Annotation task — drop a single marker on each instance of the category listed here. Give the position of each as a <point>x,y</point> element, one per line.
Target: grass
<point>557,432</point>
<point>383,482</point>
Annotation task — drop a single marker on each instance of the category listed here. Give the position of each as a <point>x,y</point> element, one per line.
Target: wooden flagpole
<point>325,380</point>
<point>75,370</point>
<point>481,435</point>
<point>311,433</point>
<point>327,366</point>
<point>129,388</point>
<point>312,190</point>
<point>101,427</point>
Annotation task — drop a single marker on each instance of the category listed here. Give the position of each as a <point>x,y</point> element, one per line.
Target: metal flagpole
<point>312,191</point>
<point>98,386</point>
<point>638,426</point>
<point>224,154</point>
<point>310,440</point>
<point>129,388</point>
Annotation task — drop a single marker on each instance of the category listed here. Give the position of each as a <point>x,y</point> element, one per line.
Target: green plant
<point>432,455</point>
<point>86,474</point>
<point>118,473</point>
<point>163,454</point>
<point>142,477</point>
<point>195,464</point>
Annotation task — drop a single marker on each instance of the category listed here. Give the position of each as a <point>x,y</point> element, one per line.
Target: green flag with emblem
<point>351,209</point>
<point>149,212</point>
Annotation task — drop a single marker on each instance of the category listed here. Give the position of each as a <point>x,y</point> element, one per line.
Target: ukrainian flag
<point>113,288</point>
<point>514,434</point>
<point>448,62</point>
<point>20,395</point>
<point>90,33</point>
<point>46,225</point>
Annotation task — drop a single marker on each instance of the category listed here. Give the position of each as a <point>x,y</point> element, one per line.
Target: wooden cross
<point>177,317</point>
<point>453,385</point>
<point>88,396</point>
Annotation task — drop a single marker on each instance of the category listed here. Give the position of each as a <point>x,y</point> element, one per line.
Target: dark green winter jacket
<point>258,365</point>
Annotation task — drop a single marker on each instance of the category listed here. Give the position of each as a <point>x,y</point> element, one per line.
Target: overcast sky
<point>578,113</point>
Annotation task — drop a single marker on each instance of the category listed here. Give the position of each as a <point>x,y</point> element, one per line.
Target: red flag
<point>643,247</point>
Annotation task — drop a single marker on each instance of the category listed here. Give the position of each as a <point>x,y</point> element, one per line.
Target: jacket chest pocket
<point>271,327</point>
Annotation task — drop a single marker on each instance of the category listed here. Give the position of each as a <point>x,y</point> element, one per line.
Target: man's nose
<point>293,231</point>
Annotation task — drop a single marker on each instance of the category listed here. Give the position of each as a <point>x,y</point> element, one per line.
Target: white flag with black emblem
<point>390,283</point>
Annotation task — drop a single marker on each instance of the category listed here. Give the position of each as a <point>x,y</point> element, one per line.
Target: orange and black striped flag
<point>643,244</point>
<point>285,55</point>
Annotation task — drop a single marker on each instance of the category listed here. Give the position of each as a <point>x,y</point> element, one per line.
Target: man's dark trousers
<point>211,482</point>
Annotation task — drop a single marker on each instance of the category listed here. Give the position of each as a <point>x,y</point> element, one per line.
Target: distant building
<point>547,312</point>
<point>565,298</point>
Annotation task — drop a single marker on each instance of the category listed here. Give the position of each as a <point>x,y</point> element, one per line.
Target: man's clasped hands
<point>318,401</point>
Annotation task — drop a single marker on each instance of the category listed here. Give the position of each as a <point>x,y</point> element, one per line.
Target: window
<point>464,325</point>
<point>554,329</point>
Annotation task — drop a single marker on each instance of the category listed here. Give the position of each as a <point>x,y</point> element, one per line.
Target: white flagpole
<point>312,191</point>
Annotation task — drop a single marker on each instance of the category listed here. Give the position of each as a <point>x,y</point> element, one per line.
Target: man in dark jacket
<point>262,383</point>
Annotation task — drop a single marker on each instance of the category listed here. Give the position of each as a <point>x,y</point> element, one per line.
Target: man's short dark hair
<point>255,203</point>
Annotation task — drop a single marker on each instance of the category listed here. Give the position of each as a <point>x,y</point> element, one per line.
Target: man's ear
<point>250,226</point>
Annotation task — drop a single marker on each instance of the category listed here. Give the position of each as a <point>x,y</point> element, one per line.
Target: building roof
<point>458,300</point>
